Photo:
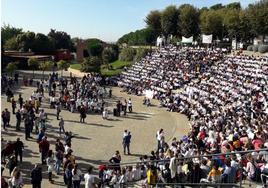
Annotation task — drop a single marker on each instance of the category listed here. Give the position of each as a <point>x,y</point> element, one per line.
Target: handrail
<point>189,157</point>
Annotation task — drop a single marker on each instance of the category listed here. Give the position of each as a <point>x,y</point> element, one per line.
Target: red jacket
<point>44,146</point>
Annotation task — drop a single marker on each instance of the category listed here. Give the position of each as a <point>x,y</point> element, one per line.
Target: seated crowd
<point>167,69</point>
<point>227,106</point>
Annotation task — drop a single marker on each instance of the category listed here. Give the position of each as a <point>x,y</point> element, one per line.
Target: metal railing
<point>238,183</point>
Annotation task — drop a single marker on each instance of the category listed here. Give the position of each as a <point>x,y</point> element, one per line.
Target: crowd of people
<point>167,69</point>
<point>227,106</point>
<point>224,97</point>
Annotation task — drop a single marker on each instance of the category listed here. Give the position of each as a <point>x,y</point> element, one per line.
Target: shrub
<point>255,48</point>
<point>91,64</point>
<point>250,48</point>
<point>127,54</point>
<point>263,48</point>
<point>141,52</point>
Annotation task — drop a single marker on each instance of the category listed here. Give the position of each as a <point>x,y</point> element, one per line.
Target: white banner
<point>187,40</point>
<point>207,39</point>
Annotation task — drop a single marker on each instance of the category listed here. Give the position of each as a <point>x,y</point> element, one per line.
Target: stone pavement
<point>96,140</point>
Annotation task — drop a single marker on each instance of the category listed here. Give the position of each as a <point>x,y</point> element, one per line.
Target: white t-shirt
<point>89,180</point>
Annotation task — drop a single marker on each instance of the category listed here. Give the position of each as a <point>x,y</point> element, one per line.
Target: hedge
<point>250,48</point>
<point>255,48</point>
<point>263,48</point>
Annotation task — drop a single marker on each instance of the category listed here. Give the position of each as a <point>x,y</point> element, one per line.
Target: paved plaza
<point>96,141</point>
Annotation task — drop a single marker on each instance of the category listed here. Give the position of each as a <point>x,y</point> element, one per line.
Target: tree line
<point>16,39</point>
<point>223,21</point>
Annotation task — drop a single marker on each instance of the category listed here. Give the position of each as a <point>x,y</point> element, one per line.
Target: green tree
<point>234,5</point>
<point>231,22</point>
<point>43,44</point>
<point>26,41</point>
<point>153,21</point>
<point>11,44</point>
<point>94,46</point>
<point>91,64</point>
<point>216,6</point>
<point>141,52</point>
<point>8,32</point>
<point>63,65</point>
<point>257,16</point>
<point>61,40</point>
<point>188,21</point>
<point>33,64</point>
<point>11,67</point>
<point>169,20</point>
<point>211,23</point>
<point>107,55</point>
<point>46,66</point>
<point>127,54</point>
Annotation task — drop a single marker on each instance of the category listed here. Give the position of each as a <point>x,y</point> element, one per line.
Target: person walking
<point>129,105</point>
<point>16,178</point>
<point>44,148</point>
<point>77,175</point>
<point>18,146</point>
<point>50,164</point>
<point>18,118</point>
<point>68,175</point>
<point>27,126</point>
<point>36,176</point>
<point>61,126</point>
<point>58,158</point>
<point>89,179</point>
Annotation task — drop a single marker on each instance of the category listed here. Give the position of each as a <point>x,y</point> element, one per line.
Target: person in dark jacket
<point>18,117</point>
<point>126,143</point>
<point>36,177</point>
<point>18,146</point>
<point>83,114</point>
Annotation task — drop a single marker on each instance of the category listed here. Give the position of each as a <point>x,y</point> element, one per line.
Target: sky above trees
<point>104,19</point>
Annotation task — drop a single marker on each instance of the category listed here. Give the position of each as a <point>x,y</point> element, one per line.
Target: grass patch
<point>120,64</point>
<point>76,66</point>
<point>117,68</point>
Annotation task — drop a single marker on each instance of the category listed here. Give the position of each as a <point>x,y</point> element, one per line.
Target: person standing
<point>68,175</point>
<point>18,118</point>
<point>77,174</point>
<point>20,101</point>
<point>110,92</point>
<point>83,114</point>
<point>7,114</point>
<point>129,105</point>
<point>13,105</point>
<point>126,143</point>
<point>115,160</point>
<point>118,108</point>
<point>4,119</point>
<point>124,107</point>
<point>61,126</point>
<point>89,179</point>
<point>58,110</point>
<point>36,177</point>
<point>27,127</point>
<point>18,146</point>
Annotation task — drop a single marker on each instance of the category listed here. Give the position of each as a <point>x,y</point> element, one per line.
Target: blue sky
<point>104,19</point>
